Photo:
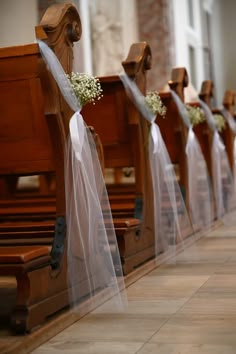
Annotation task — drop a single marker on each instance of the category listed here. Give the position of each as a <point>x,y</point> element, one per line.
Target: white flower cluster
<point>154,103</point>
<point>87,88</point>
<point>195,114</point>
<point>220,122</point>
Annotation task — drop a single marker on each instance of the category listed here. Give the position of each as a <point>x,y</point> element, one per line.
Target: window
<point>191,14</point>
<point>192,65</point>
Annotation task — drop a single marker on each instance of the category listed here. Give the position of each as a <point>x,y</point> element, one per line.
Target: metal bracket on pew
<point>58,242</point>
<point>138,208</point>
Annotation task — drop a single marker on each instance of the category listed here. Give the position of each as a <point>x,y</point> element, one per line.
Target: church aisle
<point>184,308</point>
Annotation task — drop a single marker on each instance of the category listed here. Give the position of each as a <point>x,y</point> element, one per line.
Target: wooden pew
<point>205,136</point>
<point>33,135</point>
<point>174,133</point>
<point>202,130</point>
<point>124,138</point>
<point>227,134</point>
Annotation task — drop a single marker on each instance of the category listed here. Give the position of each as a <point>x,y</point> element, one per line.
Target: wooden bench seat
<point>23,254</point>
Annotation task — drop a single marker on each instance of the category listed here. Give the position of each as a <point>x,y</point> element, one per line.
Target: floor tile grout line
<point>174,314</point>
<point>184,304</point>
<point>148,340</point>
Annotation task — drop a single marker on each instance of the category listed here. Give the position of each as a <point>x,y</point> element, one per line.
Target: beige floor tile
<point>228,267</point>
<point>76,347</point>
<point>205,256</point>
<point>147,307</point>
<point>198,329</point>
<point>213,243</point>
<point>113,328</point>
<point>223,232</point>
<point>187,269</point>
<point>160,348</point>
<point>232,258</point>
<point>218,286</point>
<point>212,307</point>
<point>165,287</point>
<point>185,306</point>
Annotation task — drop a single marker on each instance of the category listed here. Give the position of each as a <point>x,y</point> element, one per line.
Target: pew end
<point>124,139</point>
<point>34,126</point>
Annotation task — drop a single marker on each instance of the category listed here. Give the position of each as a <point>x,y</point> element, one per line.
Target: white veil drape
<point>170,215</point>
<point>92,253</point>
<point>199,186</point>
<point>223,185</point>
<point>232,125</point>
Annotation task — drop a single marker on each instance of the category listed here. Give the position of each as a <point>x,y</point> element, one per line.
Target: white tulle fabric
<point>230,120</point>
<point>172,223</point>
<point>232,125</point>
<point>223,184</point>
<point>92,253</point>
<point>199,186</point>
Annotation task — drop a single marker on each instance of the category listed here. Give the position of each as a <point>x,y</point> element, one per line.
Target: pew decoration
<point>219,122</point>
<point>90,231</point>
<point>154,103</point>
<point>200,194</point>
<point>230,120</point>
<point>232,125</point>
<point>223,184</point>
<point>87,88</point>
<point>168,201</point>
<point>195,114</point>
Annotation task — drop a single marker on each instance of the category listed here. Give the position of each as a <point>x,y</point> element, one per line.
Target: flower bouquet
<point>219,121</point>
<point>87,88</point>
<point>154,103</point>
<point>195,114</point>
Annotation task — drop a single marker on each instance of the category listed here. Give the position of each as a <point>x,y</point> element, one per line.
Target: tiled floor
<point>188,307</point>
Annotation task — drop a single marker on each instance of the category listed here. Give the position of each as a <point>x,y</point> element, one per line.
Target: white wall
<point>129,24</point>
<point>83,48</point>
<point>17,22</point>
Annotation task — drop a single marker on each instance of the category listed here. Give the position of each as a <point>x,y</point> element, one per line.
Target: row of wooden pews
<point>174,133</point>
<point>34,127</point>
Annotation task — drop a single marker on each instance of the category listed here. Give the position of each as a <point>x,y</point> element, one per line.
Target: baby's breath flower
<point>195,114</point>
<point>87,88</point>
<point>154,103</point>
<point>220,122</point>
